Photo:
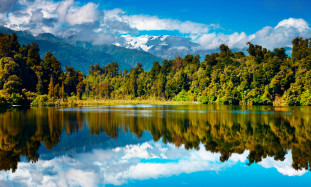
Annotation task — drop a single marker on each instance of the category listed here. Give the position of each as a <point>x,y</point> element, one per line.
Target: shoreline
<point>81,103</point>
<point>104,102</point>
<point>111,102</point>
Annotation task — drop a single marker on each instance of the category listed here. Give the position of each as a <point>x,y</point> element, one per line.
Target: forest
<point>263,77</point>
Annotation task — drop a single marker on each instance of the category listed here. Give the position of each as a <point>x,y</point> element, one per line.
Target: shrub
<point>31,96</point>
<point>40,100</point>
<point>18,99</point>
<point>183,96</point>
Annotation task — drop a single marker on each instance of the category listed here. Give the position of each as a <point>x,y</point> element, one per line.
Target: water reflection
<point>208,138</point>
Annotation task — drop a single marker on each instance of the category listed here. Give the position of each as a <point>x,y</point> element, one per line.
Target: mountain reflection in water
<point>169,140</point>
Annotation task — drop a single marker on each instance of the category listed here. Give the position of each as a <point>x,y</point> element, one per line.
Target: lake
<point>152,145</point>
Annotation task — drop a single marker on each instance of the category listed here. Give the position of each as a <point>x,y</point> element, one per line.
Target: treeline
<point>263,78</point>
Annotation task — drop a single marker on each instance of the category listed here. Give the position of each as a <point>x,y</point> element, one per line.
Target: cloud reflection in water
<point>149,160</point>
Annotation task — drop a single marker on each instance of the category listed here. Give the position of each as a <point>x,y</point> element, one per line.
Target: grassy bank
<point>93,102</point>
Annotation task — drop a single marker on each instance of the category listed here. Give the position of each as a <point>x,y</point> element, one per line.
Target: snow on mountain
<point>164,46</point>
<point>143,42</point>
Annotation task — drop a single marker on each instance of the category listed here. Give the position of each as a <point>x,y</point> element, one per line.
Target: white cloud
<point>284,167</point>
<point>148,23</point>
<point>140,151</point>
<point>87,22</point>
<point>40,16</point>
<point>282,34</point>
<point>62,9</point>
<point>269,37</point>
<point>85,14</point>
<point>37,17</point>
<point>123,164</point>
<point>213,40</point>
<point>153,23</point>
<point>81,178</point>
<point>299,24</point>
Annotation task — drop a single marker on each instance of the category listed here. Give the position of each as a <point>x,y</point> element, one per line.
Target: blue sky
<point>233,16</point>
<point>197,24</point>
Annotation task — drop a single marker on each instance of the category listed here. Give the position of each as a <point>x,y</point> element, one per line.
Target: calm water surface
<point>140,145</point>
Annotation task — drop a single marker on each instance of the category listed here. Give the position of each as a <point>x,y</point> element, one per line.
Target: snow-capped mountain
<point>144,42</point>
<point>167,46</point>
<point>164,46</point>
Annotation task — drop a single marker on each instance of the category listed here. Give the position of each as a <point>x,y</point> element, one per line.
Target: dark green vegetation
<point>263,131</point>
<point>80,55</point>
<point>262,78</point>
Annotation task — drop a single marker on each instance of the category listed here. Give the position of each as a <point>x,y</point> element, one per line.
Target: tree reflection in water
<point>264,131</point>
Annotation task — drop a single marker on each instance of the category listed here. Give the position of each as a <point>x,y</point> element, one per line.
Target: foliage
<point>263,78</point>
<point>41,99</point>
<point>182,96</point>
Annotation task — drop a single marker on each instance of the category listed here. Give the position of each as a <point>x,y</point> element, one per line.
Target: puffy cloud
<point>81,178</point>
<point>36,16</point>
<point>123,164</point>
<point>62,9</point>
<point>128,23</point>
<point>143,22</point>
<point>64,18</point>
<point>85,14</point>
<point>282,34</point>
<point>114,166</point>
<point>299,24</point>
<point>89,23</point>
<point>284,167</point>
<point>115,22</point>
<point>140,151</point>
<point>269,37</point>
<point>213,40</point>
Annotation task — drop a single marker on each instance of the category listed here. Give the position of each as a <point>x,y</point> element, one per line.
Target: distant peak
<point>48,36</point>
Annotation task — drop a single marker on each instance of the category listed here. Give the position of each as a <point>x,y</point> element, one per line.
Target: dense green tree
<point>225,51</point>
<point>256,51</point>
<point>13,85</point>
<point>52,68</point>
<point>72,79</point>
<point>51,88</point>
<point>211,59</point>
<point>166,67</point>
<point>9,45</point>
<point>80,89</point>
<point>155,70</point>
<point>33,56</point>
<point>301,49</point>
<point>263,78</point>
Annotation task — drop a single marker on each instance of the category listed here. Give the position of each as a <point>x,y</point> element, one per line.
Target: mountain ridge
<point>168,47</point>
<point>81,55</point>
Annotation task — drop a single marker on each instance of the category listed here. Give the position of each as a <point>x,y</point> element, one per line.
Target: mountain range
<point>165,46</point>
<point>168,47</point>
<point>127,52</point>
<point>81,55</point>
